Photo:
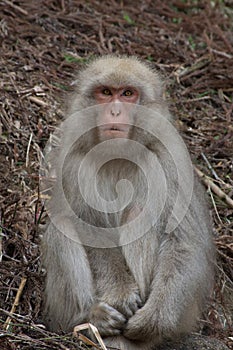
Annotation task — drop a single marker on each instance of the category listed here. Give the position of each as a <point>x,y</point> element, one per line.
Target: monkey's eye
<point>127,93</point>
<point>106,92</point>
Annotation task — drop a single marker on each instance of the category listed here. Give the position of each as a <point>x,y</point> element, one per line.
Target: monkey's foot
<point>108,320</point>
<point>126,300</point>
<point>130,304</point>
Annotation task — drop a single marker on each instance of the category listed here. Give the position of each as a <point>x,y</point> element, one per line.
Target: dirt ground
<point>43,44</point>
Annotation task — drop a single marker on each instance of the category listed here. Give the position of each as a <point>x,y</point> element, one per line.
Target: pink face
<point>115,114</point>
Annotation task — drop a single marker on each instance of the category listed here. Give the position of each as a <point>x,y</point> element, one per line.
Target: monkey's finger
<point>106,331</point>
<point>117,317</point>
<point>132,305</point>
<point>112,325</point>
<point>139,301</point>
<point>108,320</point>
<point>105,311</point>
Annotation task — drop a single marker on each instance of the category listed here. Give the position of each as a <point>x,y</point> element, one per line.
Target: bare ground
<point>43,44</point>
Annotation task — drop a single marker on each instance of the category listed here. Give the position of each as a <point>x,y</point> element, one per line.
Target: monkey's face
<point>116,112</point>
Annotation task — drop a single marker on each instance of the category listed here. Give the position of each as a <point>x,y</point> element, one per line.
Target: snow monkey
<point>129,244</point>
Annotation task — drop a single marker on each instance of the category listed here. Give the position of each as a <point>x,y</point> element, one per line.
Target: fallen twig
<point>86,340</point>
<point>16,302</point>
<point>38,101</point>
<point>28,149</point>
<point>214,188</point>
<point>16,7</point>
<point>42,103</point>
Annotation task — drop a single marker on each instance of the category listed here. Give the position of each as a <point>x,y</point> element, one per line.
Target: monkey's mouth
<point>114,130</point>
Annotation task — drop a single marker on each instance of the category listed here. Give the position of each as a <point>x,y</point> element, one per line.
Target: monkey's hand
<point>152,321</point>
<point>139,327</point>
<point>126,299</point>
<point>108,320</point>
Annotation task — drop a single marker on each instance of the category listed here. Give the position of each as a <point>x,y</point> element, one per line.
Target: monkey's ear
<point>159,85</point>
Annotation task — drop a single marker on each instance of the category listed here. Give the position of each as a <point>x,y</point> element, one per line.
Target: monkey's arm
<point>116,295</point>
<point>180,285</point>
<point>115,284</point>
<point>67,267</point>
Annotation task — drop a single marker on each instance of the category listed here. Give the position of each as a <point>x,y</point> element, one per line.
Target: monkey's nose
<point>115,113</point>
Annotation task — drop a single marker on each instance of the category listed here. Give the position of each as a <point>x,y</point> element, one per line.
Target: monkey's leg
<point>116,291</point>
<point>178,288</point>
<point>68,286</point>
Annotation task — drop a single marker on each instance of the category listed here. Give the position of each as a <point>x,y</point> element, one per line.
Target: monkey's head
<point>117,84</point>
<point>121,72</point>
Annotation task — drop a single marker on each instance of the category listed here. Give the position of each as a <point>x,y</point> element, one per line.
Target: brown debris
<point>42,44</point>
